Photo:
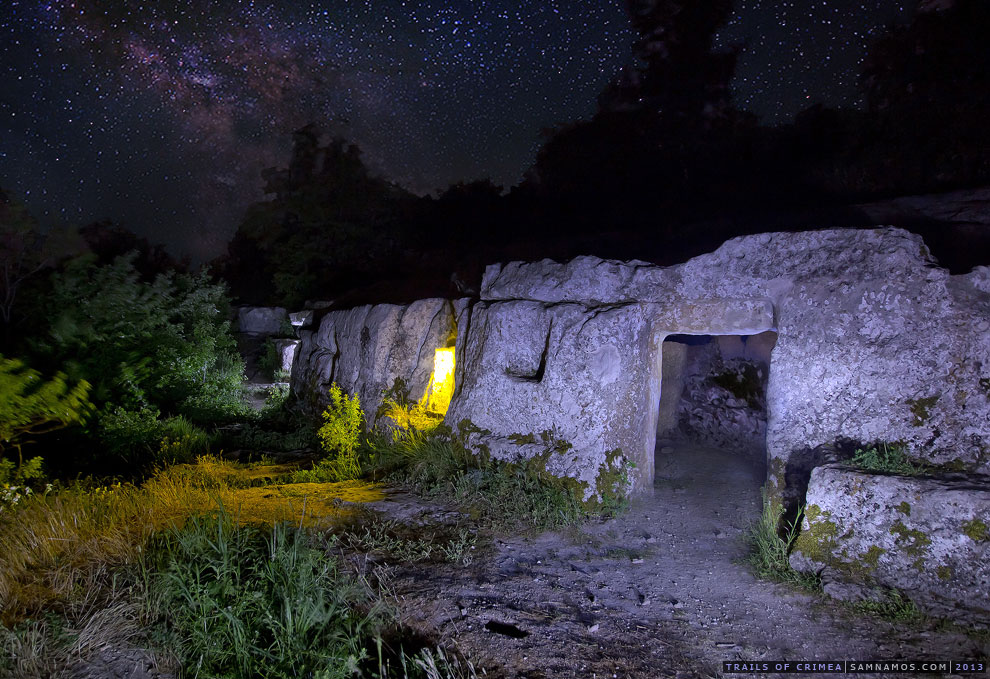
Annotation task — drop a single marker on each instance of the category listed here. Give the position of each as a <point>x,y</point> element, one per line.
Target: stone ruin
<point>873,342</point>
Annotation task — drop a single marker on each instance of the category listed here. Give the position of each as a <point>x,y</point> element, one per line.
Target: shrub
<point>343,421</point>
<point>164,343</point>
<point>240,601</point>
<point>340,436</point>
<point>140,439</point>
<point>21,474</point>
<point>30,406</point>
<point>269,362</point>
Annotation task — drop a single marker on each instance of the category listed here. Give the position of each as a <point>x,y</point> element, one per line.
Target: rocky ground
<point>659,592</point>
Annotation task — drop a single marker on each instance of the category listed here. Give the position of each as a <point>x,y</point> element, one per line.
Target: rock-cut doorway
<point>710,451</point>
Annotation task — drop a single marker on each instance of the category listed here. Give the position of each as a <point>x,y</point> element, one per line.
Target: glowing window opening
<point>441,387</point>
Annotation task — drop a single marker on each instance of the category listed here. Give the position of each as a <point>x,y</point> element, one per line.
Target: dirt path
<point>658,592</point>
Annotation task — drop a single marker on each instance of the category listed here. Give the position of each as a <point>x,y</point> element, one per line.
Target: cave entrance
<point>712,415</point>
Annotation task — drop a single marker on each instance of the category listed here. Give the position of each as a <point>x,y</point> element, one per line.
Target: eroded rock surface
<point>928,537</point>
<point>365,350</point>
<point>261,320</point>
<point>875,342</point>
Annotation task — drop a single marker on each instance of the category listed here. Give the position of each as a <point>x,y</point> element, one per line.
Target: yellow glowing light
<point>428,412</point>
<point>441,387</point>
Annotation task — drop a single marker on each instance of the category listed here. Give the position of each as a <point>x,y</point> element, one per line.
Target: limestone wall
<point>875,342</point>
<point>589,377</point>
<point>365,349</point>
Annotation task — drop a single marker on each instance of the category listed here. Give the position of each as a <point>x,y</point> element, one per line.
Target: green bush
<point>30,406</point>
<point>343,421</point>
<point>164,343</point>
<point>268,361</point>
<point>140,439</point>
<point>240,601</point>
<point>340,436</point>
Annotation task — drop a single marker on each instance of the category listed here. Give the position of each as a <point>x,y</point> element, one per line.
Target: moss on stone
<point>921,409</point>
<point>774,488</point>
<point>612,484</point>
<point>817,541</point>
<point>976,530</point>
<point>915,542</point>
<point>522,439</point>
<point>904,508</point>
<point>944,573</point>
<point>872,556</point>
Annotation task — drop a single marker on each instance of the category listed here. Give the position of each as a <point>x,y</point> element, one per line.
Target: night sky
<point>161,115</point>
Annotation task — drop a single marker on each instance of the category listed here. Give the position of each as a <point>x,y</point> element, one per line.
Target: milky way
<point>161,116</point>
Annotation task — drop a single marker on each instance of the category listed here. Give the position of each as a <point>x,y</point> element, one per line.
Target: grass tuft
<point>894,607</point>
<point>887,458</point>
<point>502,495</point>
<point>770,548</point>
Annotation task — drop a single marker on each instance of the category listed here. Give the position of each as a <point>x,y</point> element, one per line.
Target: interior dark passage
<point>713,409</point>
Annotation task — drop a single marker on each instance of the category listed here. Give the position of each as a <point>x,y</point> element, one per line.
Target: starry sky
<point>161,115</point>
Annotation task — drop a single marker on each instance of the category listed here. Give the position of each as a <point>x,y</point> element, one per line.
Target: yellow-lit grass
<point>51,546</point>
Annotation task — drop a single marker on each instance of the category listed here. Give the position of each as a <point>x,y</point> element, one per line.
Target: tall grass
<point>245,601</point>
<point>770,547</point>
<point>52,543</point>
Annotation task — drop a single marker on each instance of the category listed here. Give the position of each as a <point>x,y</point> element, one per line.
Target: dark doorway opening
<point>713,403</point>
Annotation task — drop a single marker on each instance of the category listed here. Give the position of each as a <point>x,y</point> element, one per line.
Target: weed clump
<point>439,465</point>
<point>892,606</point>
<point>770,548</point>
<point>887,458</point>
<point>340,436</point>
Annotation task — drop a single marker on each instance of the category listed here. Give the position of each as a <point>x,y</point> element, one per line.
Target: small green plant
<point>141,439</point>
<point>340,436</point>
<point>398,542</point>
<point>888,458</point>
<point>343,421</point>
<point>893,606</point>
<point>22,474</point>
<point>275,399</point>
<point>770,549</point>
<point>269,361</point>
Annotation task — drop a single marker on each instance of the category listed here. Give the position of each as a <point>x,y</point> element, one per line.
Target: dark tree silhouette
<point>928,90</point>
<point>108,241</point>
<point>329,222</point>
<point>675,74</point>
